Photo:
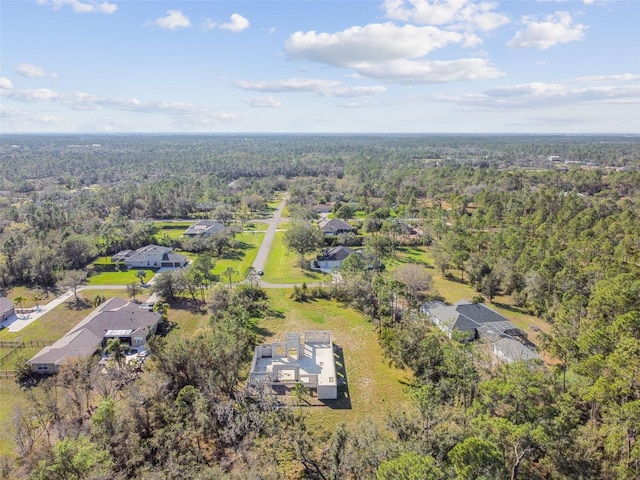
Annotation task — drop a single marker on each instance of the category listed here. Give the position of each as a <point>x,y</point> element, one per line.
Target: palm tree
<point>229,272</point>
<point>161,308</point>
<point>141,274</point>
<point>118,349</point>
<point>19,300</point>
<point>97,300</point>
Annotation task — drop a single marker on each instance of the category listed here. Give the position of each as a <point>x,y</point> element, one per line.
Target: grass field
<point>32,296</point>
<point>282,266</point>
<point>118,278</point>
<point>240,259</point>
<point>375,389</point>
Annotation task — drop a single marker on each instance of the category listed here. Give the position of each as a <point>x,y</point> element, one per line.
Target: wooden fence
<point>7,374</point>
<point>15,347</point>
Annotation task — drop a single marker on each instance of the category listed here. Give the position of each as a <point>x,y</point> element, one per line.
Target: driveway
<point>265,246</point>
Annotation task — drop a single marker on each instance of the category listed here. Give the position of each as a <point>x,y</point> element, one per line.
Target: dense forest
<point>549,222</point>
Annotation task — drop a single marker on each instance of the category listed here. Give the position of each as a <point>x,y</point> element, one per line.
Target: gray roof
<point>84,339</point>
<point>338,253</point>
<point>204,227</point>
<point>6,305</point>
<point>334,225</point>
<point>465,315</point>
<point>514,350</point>
<point>140,255</point>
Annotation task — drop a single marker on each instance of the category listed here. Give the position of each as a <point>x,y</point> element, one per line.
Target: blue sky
<point>459,66</point>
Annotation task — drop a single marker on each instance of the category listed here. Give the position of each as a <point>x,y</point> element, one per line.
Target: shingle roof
<point>83,339</point>
<point>465,315</point>
<point>338,253</point>
<point>6,305</point>
<point>334,224</point>
<point>514,350</point>
<point>204,227</point>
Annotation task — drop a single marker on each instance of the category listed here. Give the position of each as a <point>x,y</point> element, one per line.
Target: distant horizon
<point>325,134</point>
<point>344,67</point>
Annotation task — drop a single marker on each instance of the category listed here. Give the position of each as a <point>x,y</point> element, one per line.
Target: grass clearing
<point>240,259</point>
<point>282,266</point>
<point>375,388</point>
<point>32,296</point>
<point>118,278</point>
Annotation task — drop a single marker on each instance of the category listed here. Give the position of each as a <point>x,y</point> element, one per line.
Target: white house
<point>151,256</point>
<point>331,258</point>
<point>310,362</point>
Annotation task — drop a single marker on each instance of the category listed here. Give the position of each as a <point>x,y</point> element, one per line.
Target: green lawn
<point>31,296</point>
<point>240,259</point>
<point>118,278</point>
<point>375,389</point>
<point>282,266</point>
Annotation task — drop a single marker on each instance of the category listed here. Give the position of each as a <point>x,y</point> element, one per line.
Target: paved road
<point>265,246</point>
<point>15,323</point>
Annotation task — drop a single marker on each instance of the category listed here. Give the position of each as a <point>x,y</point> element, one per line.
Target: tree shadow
<point>81,304</point>
<point>511,308</point>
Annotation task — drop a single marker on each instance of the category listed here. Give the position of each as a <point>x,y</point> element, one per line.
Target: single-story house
<point>7,308</point>
<point>334,226</point>
<point>509,350</point>
<point>331,258</point>
<point>115,318</point>
<point>204,228</point>
<point>151,256</point>
<point>476,320</point>
<point>308,360</point>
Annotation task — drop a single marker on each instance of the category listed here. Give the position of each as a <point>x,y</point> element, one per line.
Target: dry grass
<point>374,387</point>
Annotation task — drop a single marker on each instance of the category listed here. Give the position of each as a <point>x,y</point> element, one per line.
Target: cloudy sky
<point>456,66</point>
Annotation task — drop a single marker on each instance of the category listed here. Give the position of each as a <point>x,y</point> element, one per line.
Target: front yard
<point>282,266</point>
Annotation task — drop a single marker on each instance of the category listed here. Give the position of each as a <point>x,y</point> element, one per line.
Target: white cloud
<point>208,24</point>
<point>425,72</point>
<point>17,116</point>
<point>33,71</point>
<point>555,29</point>
<point>467,14</point>
<point>392,53</point>
<point>543,95</point>
<point>174,19</point>
<point>289,85</point>
<point>86,6</point>
<point>5,83</point>
<point>354,91</point>
<point>187,112</point>
<point>237,24</point>
<point>376,42</point>
<point>626,77</point>
<point>262,102</point>
<point>325,88</point>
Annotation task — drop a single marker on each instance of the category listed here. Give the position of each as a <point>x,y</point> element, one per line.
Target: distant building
<point>310,361</point>
<point>204,228</point>
<point>335,226</point>
<point>151,256</point>
<point>115,318</point>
